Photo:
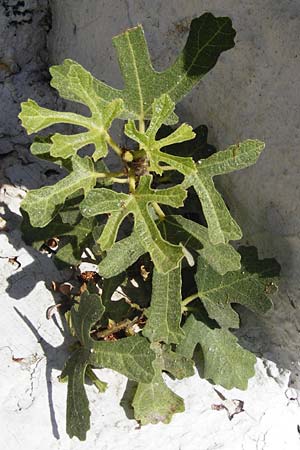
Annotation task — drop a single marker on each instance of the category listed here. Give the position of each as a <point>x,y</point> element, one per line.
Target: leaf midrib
<point>206,293</point>
<point>139,88</point>
<point>186,73</point>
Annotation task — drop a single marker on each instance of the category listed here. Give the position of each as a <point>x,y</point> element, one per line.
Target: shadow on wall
<point>55,359</point>
<point>20,284</point>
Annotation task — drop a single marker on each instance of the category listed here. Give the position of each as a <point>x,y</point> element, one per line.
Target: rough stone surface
<point>252,92</point>
<point>23,64</point>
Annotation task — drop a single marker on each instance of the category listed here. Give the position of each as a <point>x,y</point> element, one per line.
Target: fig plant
<point>158,229</point>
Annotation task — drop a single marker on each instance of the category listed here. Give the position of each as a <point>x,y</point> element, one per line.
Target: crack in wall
<point>29,392</point>
<point>31,364</point>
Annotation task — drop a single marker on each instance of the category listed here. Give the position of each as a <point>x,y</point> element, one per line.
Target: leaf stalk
<point>114,146</point>
<point>113,176</point>
<point>188,300</point>
<point>158,211</point>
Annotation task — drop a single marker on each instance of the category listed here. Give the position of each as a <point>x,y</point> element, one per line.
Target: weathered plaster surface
<point>252,92</point>
<point>23,64</point>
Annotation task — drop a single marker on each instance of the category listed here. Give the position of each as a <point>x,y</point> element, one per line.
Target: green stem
<point>119,180</point>
<point>131,180</point>
<point>188,300</point>
<point>113,176</point>
<point>158,210</point>
<point>109,174</point>
<point>130,303</point>
<point>126,323</point>
<point>100,385</point>
<point>191,309</point>
<point>141,126</point>
<point>114,145</point>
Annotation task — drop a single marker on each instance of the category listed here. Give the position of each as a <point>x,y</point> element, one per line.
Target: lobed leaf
<point>154,402</point>
<point>164,314</point>
<point>130,248</point>
<point>89,311</point>
<point>249,287</point>
<point>198,147</point>
<point>164,255</point>
<point>222,258</point>
<point>209,36</point>
<point>161,109</point>
<point>44,203</point>
<point>76,241</point>
<point>176,364</point>
<point>221,226</point>
<point>35,118</point>
<point>78,412</point>
<point>224,361</point>
<point>41,149</point>
<point>130,356</point>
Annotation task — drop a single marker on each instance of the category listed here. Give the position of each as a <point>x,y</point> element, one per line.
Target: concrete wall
<point>253,92</point>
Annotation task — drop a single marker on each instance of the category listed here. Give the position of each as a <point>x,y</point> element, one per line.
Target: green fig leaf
<point>209,36</point>
<point>164,314</point>
<point>154,402</point>
<point>222,258</point>
<point>78,412</point>
<point>130,356</point>
<point>89,311</point>
<point>164,255</point>
<point>161,110</point>
<point>250,287</point>
<point>221,226</point>
<point>35,118</point>
<point>130,248</point>
<point>44,203</point>
<point>225,362</point>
